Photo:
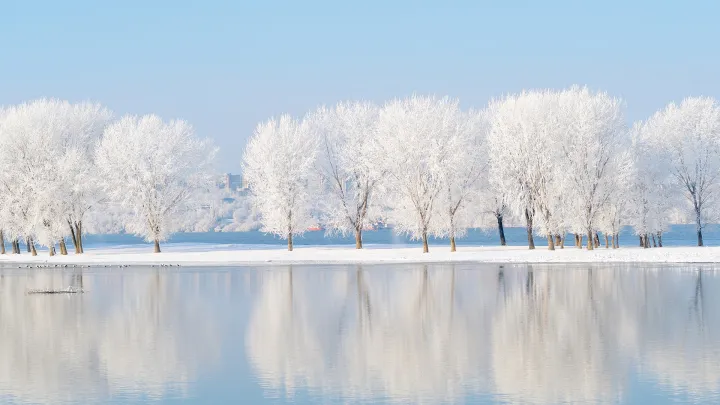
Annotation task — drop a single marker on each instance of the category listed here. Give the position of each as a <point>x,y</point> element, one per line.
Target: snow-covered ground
<point>225,255</point>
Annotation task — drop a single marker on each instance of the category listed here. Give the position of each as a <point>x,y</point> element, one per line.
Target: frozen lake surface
<point>462,333</point>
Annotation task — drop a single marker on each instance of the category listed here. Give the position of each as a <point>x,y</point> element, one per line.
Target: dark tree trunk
<point>73,237</point>
<point>27,245</point>
<point>562,242</point>
<point>453,247</point>
<point>157,246</point>
<point>358,239</point>
<point>607,241</point>
<point>78,235</point>
<point>597,240</point>
<point>558,240</point>
<point>529,227</point>
<point>654,242</point>
<point>590,240</point>
<point>15,247</point>
<point>659,234</point>
<point>700,238</point>
<point>426,249</point>
<point>2,243</point>
<point>551,242</point>
<point>31,246</point>
<point>616,239</point>
<point>501,230</point>
<point>290,242</point>
<point>642,242</point>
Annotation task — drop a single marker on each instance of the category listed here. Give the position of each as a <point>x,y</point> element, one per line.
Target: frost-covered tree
<point>591,134</point>
<point>650,194</point>
<point>279,165</point>
<point>461,175</point>
<point>82,189</point>
<point>523,159</point>
<point>347,164</point>
<point>687,140</point>
<point>160,171</point>
<point>415,143</point>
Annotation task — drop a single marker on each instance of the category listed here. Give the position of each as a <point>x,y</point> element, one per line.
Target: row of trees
<point>558,161</point>
<point>64,165</point>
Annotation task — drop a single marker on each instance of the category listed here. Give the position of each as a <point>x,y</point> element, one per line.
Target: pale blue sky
<point>225,65</point>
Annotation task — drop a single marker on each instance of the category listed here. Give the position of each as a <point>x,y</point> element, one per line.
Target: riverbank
<point>234,255</point>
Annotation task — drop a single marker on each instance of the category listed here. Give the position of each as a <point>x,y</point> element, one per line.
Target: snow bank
<point>232,255</point>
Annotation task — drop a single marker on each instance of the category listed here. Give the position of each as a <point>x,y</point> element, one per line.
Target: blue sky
<point>225,65</point>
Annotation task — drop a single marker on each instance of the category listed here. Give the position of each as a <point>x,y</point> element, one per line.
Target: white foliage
<point>160,171</point>
<point>685,140</point>
<point>348,165</point>
<point>416,142</point>
<point>278,165</point>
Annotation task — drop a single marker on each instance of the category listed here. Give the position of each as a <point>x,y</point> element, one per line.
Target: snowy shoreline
<point>253,255</point>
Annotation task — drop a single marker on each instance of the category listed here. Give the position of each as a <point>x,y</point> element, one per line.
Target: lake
<point>476,334</point>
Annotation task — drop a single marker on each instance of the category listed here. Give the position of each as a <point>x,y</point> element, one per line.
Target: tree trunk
<point>597,240</point>
<point>31,245</point>
<point>501,230</point>
<point>659,238</point>
<point>426,249</point>
<point>15,247</point>
<point>157,246</point>
<point>642,243</point>
<point>358,239</point>
<point>654,242</point>
<point>74,238</point>
<point>616,239</point>
<point>590,240</point>
<point>453,247</point>
<point>78,235</point>
<point>290,242</point>
<point>63,247</point>
<point>51,250</point>
<point>558,240</point>
<point>27,245</point>
<point>2,243</point>
<point>529,227</point>
<point>612,240</point>
<point>551,242</point>
<point>699,235</point>
<point>646,241</point>
<point>607,241</point>
<point>562,242</point>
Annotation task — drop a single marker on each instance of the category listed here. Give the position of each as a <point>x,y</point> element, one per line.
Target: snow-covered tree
<point>279,165</point>
<point>523,159</point>
<point>348,166</point>
<point>82,190</point>
<point>650,194</point>
<point>158,170</point>
<point>461,175</point>
<point>591,134</point>
<point>686,138</point>
<point>415,143</point>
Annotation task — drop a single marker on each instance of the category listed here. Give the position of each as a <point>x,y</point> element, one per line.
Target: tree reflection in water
<point>139,337</point>
<point>520,334</point>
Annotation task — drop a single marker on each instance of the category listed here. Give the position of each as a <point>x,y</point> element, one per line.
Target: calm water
<point>481,334</point>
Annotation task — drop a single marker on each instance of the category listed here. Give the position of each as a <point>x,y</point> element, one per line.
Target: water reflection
<point>129,336</point>
<point>428,334</point>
